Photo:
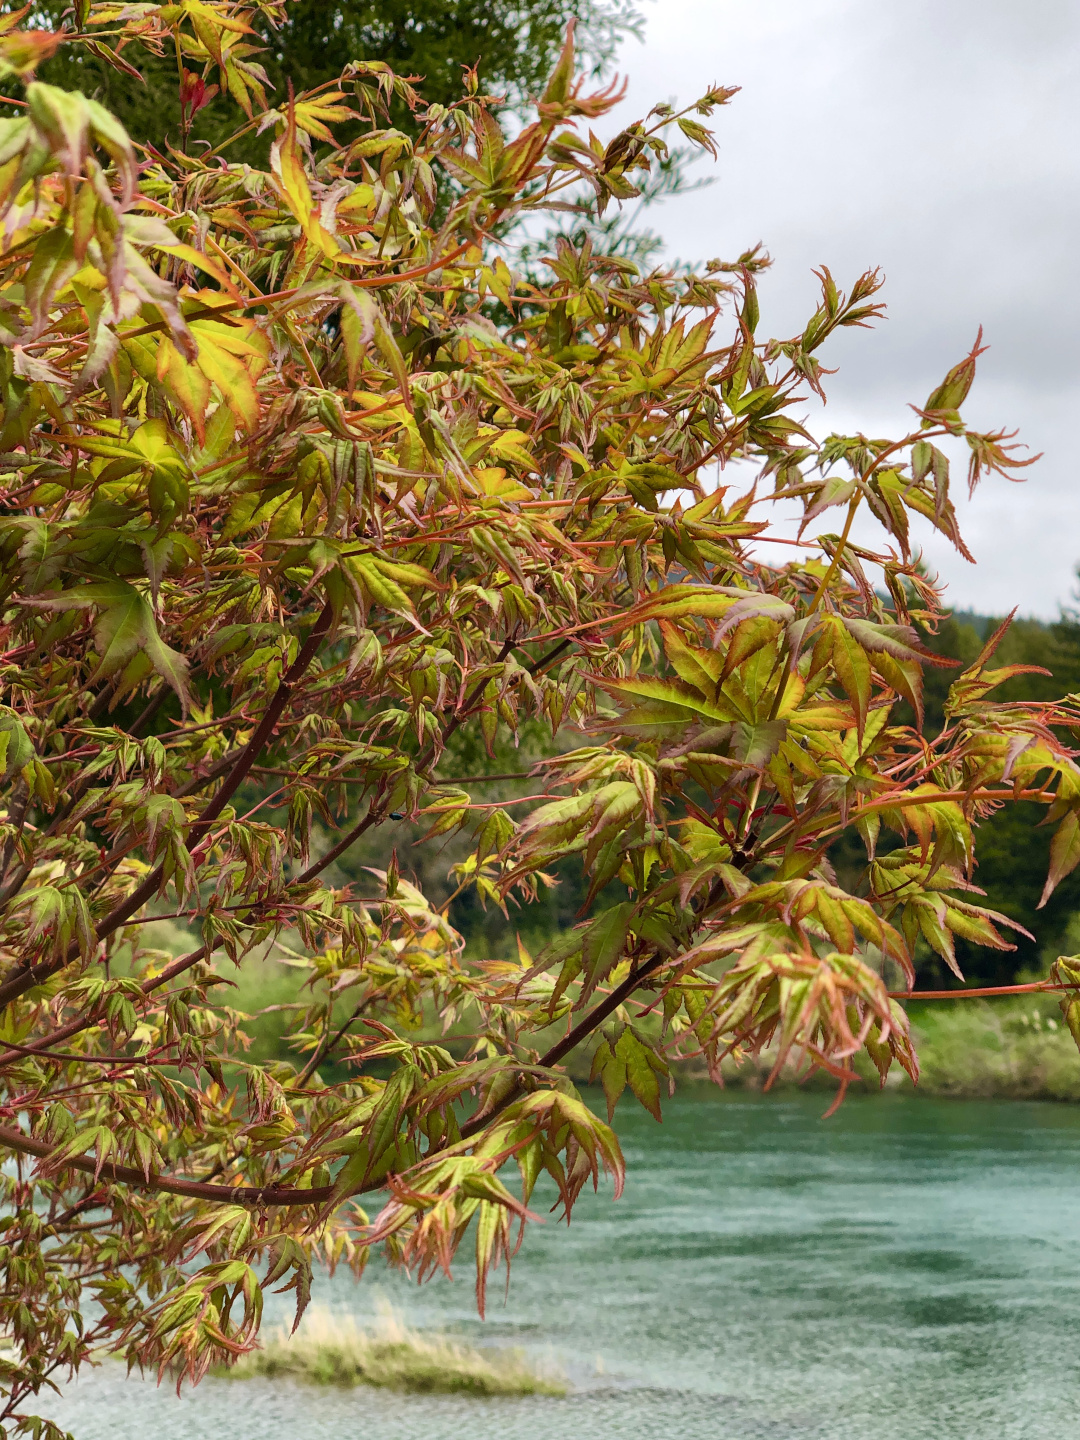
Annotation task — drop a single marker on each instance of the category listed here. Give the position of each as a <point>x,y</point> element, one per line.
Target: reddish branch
<point>254,1195</point>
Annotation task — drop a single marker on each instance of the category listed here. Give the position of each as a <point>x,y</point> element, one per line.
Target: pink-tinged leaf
<point>899,641</point>
<point>953,390</point>
<point>905,677</point>
<point>852,667</point>
<point>755,744</point>
<point>1064,854</point>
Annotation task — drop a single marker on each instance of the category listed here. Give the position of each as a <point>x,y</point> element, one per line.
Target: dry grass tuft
<point>331,1349</point>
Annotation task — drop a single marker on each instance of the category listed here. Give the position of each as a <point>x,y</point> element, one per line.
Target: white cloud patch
<point>939,142</point>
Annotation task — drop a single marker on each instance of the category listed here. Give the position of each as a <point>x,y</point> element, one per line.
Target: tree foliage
<point>511,43</point>
<point>301,481</point>
<point>1014,846</point>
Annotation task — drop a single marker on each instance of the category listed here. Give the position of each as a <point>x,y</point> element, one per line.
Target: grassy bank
<point>1009,1049</point>
<point>1003,1049</point>
<point>331,1349</point>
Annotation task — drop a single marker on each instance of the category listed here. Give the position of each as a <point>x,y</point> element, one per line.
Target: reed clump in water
<point>331,1349</point>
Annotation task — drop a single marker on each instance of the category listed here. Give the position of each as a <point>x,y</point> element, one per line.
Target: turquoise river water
<point>908,1269</point>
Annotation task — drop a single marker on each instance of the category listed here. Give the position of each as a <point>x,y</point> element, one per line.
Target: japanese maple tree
<point>302,480</point>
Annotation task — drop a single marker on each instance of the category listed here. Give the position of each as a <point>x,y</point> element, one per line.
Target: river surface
<point>907,1269</point>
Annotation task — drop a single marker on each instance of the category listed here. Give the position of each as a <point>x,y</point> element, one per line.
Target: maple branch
<point>328,1045</point>
<point>581,1031</point>
<point>258,1196</point>
<point>1034,988</point>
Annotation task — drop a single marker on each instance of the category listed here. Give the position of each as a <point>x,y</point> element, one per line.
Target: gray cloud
<point>939,141</point>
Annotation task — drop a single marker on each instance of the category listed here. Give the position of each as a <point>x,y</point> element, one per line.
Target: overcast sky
<point>940,140</point>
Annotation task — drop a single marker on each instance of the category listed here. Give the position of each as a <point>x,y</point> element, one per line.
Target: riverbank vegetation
<point>1015,1049</point>
<point>332,1349</point>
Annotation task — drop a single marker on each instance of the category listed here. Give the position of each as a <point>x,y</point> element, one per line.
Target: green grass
<point>1003,1049</point>
<point>330,1349</point>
